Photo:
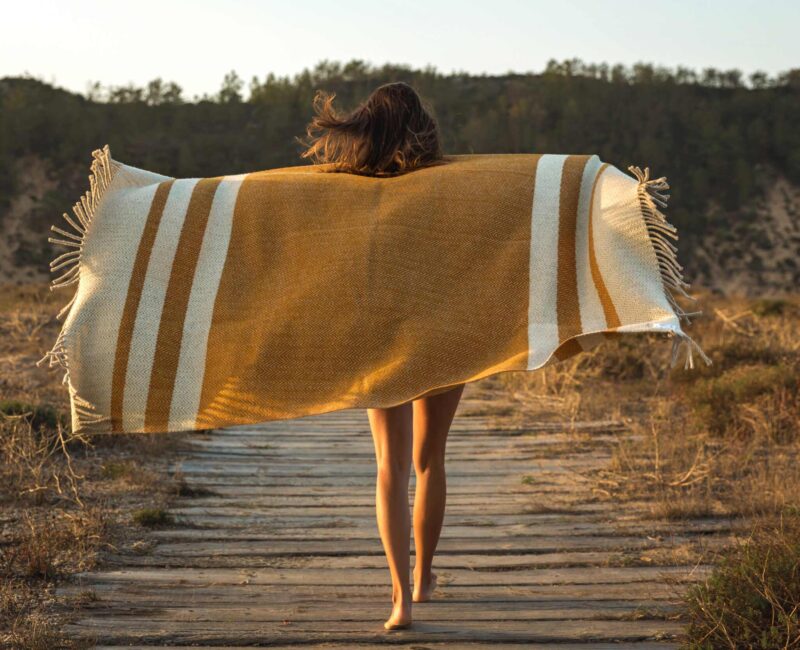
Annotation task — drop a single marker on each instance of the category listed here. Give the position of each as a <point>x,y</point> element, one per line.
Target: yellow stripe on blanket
<point>214,302</point>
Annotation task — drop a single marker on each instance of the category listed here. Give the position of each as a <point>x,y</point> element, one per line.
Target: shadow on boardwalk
<point>283,549</point>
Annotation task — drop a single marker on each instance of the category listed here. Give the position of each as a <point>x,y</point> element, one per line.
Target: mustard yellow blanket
<point>210,302</point>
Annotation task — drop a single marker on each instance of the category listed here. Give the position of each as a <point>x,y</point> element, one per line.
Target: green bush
<point>624,358</point>
<point>41,417</point>
<point>718,403</point>
<point>752,597</point>
<point>115,470</point>
<point>728,355</point>
<point>773,307</point>
<point>152,517</point>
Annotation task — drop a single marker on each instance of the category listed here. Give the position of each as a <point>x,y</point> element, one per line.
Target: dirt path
<point>284,548</point>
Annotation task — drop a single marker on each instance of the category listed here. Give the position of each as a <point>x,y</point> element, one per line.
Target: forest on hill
<point>725,142</point>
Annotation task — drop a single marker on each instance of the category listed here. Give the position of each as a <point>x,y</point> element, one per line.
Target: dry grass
<point>56,544</point>
<point>36,458</point>
<point>725,439</point>
<point>65,500</point>
<point>716,442</point>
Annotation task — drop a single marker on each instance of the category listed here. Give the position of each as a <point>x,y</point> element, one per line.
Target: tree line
<point>159,91</point>
<point>719,136</point>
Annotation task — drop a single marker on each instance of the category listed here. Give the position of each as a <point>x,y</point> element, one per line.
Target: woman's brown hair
<point>390,133</point>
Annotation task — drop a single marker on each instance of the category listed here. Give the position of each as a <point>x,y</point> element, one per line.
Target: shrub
<point>624,359</point>
<point>723,405</point>
<point>773,307</point>
<point>752,597</point>
<point>56,544</point>
<point>118,470</point>
<point>36,463</point>
<point>728,355</point>
<point>40,417</point>
<point>152,517</point>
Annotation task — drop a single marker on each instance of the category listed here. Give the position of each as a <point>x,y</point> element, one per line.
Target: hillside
<point>731,151</point>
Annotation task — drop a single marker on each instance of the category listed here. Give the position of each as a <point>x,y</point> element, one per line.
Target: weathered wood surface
<point>284,550</point>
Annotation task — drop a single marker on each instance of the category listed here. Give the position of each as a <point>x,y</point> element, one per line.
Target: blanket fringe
<point>684,341</point>
<point>652,195</point>
<point>68,264</point>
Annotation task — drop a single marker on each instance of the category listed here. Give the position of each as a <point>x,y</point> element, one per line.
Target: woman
<point>392,133</point>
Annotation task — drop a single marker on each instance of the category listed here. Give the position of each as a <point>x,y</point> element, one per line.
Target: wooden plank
<point>369,612</point>
<point>328,503</point>
<point>473,562</point>
<point>110,630</point>
<point>236,558</point>
<point>458,449</point>
<point>458,439</point>
<point>275,546</point>
<point>510,512</point>
<point>503,486</point>
<point>446,645</point>
<point>367,576</point>
<point>526,596</point>
<point>484,468</point>
<point>545,485</point>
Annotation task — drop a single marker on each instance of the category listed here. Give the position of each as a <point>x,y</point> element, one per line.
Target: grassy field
<point>717,441</point>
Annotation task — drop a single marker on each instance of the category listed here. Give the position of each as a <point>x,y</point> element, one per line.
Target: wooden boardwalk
<point>280,547</point>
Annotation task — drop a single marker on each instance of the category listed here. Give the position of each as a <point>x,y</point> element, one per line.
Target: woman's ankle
<point>424,586</point>
<point>422,576</point>
<point>402,595</point>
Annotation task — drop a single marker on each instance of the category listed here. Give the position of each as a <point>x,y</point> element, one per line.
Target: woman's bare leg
<point>392,435</point>
<point>432,418</point>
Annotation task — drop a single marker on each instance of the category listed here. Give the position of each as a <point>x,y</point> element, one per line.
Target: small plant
<point>181,488</point>
<point>728,355</point>
<point>622,360</point>
<point>772,307</point>
<point>56,544</point>
<point>42,416</point>
<point>116,470</point>
<point>752,597</point>
<point>722,404</point>
<point>152,517</point>
<point>36,465</point>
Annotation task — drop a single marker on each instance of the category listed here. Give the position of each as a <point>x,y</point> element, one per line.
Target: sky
<point>70,43</point>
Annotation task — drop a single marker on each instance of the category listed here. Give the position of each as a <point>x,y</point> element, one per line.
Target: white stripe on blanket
<point>592,315</point>
<point>192,360</point>
<point>542,318</point>
<point>148,317</point>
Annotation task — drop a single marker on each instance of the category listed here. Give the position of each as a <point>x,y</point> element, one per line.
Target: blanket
<point>213,302</point>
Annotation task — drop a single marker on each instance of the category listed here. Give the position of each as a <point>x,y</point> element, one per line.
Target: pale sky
<point>194,43</point>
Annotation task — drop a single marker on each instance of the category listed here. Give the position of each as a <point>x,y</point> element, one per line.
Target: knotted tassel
<point>652,195</point>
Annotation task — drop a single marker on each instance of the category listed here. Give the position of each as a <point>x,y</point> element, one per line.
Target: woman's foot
<point>401,615</point>
<point>423,589</point>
